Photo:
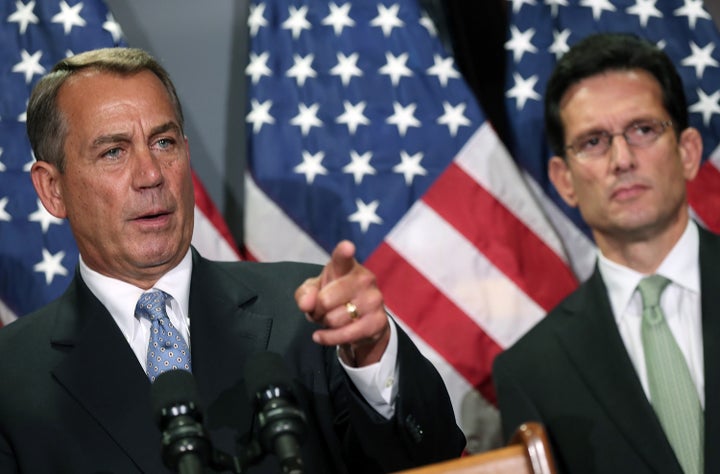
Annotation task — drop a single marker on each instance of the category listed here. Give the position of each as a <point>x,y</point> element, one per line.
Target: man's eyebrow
<point>166,127</point>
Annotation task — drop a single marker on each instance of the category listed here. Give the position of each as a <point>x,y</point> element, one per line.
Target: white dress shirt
<point>378,382</point>
<point>680,302</point>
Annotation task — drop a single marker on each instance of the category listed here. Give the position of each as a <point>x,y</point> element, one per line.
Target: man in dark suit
<point>617,121</point>
<point>107,131</point>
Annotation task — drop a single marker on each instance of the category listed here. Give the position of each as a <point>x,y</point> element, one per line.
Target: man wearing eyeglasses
<point>625,372</point>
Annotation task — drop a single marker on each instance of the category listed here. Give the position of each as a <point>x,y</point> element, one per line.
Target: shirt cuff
<point>378,382</point>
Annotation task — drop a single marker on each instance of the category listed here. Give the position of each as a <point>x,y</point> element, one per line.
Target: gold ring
<point>352,310</point>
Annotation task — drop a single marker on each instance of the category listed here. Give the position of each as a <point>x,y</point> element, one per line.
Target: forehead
<point>92,95</point>
<point>611,99</point>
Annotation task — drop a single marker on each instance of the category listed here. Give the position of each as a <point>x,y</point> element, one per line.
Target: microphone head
<point>174,393</point>
<point>264,370</point>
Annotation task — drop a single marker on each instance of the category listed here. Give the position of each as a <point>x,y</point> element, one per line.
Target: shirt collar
<point>120,297</point>
<point>680,266</point>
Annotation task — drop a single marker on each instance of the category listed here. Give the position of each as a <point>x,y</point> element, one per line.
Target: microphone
<point>185,445</point>
<point>281,424</point>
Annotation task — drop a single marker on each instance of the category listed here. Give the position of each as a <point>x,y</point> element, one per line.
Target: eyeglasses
<point>638,134</point>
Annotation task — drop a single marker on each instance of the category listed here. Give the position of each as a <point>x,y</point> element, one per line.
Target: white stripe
<point>453,264</point>
<point>486,160</point>
<point>271,236</point>
<point>208,241</point>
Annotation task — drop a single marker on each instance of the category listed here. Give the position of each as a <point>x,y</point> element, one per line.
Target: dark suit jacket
<point>572,373</point>
<point>75,400</point>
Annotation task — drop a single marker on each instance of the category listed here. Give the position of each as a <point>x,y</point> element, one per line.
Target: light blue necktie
<point>167,350</point>
<point>672,390</point>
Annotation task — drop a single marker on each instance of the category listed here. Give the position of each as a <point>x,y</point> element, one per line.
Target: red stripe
<point>503,238</point>
<point>704,197</point>
<point>436,319</point>
<point>206,206</point>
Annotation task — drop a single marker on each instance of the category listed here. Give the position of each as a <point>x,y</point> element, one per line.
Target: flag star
<point>395,67</point>
<point>69,16</point>
<point>560,43</point>
<point>554,6</point>
<point>520,43</point>
<point>523,90</point>
<point>311,166</point>
<point>112,27</point>
<point>2,166</point>
<point>339,18</point>
<point>4,215</point>
<point>257,66</point>
<point>260,114</point>
<point>700,58</point>
<point>692,9</point>
<point>428,24</point>
<point>302,68</point>
<point>306,118</point>
<point>359,165</point>
<point>598,6</point>
<point>297,22</point>
<point>517,4</point>
<point>410,166</point>
<point>51,265</point>
<point>42,216</point>
<point>346,68</point>
<point>353,116</point>
<point>403,117</point>
<point>707,105</point>
<point>387,19</point>
<point>29,65</point>
<point>256,18</point>
<point>443,69</point>
<point>28,166</point>
<point>644,9</point>
<point>454,117</point>
<point>23,15</point>
<point>365,215</point>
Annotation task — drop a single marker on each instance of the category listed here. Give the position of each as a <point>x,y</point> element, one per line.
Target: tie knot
<point>651,288</point>
<point>151,305</point>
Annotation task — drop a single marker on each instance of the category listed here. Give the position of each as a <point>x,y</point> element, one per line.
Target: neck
<point>643,252</point>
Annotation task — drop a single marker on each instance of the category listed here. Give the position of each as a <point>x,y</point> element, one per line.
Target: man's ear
<point>560,175</point>
<point>690,146</point>
<point>46,180</point>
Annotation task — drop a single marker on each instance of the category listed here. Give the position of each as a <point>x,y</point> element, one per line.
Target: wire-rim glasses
<point>639,134</point>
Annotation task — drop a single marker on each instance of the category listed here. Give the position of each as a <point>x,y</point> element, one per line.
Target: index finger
<point>342,260</point>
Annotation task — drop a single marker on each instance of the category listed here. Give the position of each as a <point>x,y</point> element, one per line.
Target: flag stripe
<point>435,318</point>
<point>704,196</point>
<point>463,274</point>
<point>501,237</point>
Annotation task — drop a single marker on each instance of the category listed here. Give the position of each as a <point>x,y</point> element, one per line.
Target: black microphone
<point>281,424</point>
<point>185,445</point>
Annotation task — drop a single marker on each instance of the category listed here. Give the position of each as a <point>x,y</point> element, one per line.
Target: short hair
<point>46,125</point>
<point>605,52</point>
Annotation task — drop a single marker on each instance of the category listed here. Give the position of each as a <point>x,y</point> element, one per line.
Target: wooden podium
<point>528,453</point>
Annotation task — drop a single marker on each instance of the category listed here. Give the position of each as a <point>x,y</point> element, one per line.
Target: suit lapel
<point>224,333</point>
<point>100,370</point>
<point>710,282</point>
<point>591,339</point>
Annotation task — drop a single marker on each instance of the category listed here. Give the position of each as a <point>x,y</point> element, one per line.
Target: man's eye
<point>588,143</point>
<point>165,143</point>
<point>112,153</point>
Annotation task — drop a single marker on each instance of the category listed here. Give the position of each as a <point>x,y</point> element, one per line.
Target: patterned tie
<point>167,349</point>
<point>672,391</point>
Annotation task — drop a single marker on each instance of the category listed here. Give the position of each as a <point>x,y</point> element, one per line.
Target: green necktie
<point>672,391</point>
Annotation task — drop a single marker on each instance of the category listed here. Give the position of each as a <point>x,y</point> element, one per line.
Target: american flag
<point>362,128</point>
<point>37,251</point>
<point>541,31</point>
